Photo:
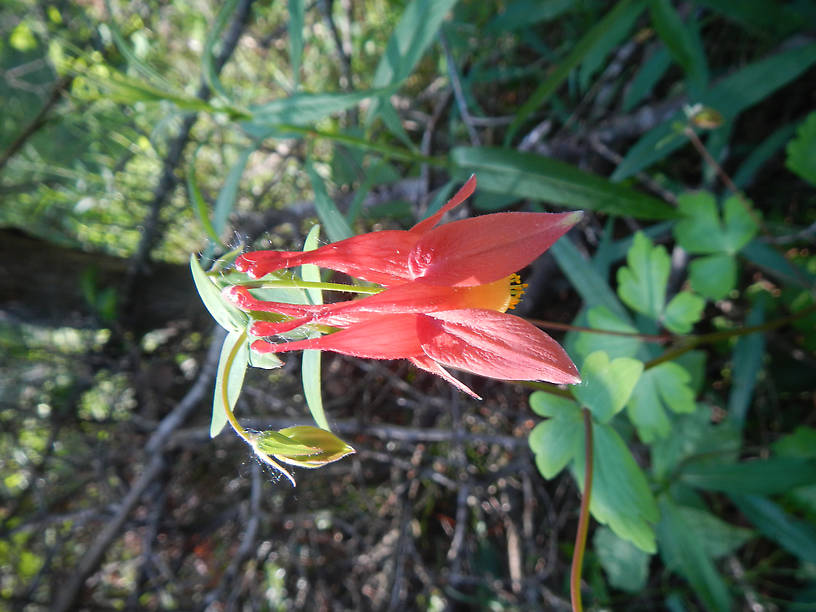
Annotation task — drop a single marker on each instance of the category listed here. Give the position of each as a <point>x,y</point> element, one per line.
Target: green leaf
<point>747,364</point>
<point>335,223</point>
<point>580,50</point>
<point>310,366</point>
<point>591,286</point>
<point>663,387</point>
<point>801,443</point>
<point>713,276</point>
<point>761,154</point>
<point>626,566</point>
<point>642,284</point>
<point>304,109</point>
<point>695,437</point>
<point>549,405</point>
<point>687,555</point>
<point>602,318</point>
<point>527,175</point>
<point>794,535</point>
<point>649,74</point>
<point>702,231</point>
<point>771,260</point>
<point>199,205</point>
<point>607,42</point>
<point>556,441</point>
<point>730,96</point>
<point>801,150</point>
<point>232,365</point>
<point>213,38</point>
<point>682,312</point>
<point>224,313</point>
<point>227,197</point>
<point>758,477</point>
<point>621,497</point>
<point>522,14</point>
<point>296,22</point>
<point>415,31</point>
<point>606,385</point>
<point>683,44</point>
<point>718,538</point>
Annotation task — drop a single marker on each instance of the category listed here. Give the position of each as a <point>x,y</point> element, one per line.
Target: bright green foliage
<point>621,496</point>
<point>606,385</point>
<point>555,440</point>
<point>642,287</point>
<point>720,238</point>
<point>802,150</point>
<point>625,565</point>
<point>664,387</point>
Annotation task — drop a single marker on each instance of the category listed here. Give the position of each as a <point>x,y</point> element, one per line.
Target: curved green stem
<point>246,436</point>
<point>583,517</point>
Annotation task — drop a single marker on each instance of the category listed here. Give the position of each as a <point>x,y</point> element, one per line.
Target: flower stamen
<point>517,289</point>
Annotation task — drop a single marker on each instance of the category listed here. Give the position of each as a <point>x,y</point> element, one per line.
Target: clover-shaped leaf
<point>702,231</point>
<point>713,276</point>
<point>642,284</point>
<point>663,387</point>
<point>683,311</point>
<point>606,385</point>
<point>556,440</point>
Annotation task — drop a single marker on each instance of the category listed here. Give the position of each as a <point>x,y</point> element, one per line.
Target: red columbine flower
<point>447,290</point>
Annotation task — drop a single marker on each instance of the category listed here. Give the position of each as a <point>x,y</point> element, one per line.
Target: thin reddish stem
<point>583,518</point>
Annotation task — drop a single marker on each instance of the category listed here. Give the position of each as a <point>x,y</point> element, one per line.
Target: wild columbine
<point>445,294</point>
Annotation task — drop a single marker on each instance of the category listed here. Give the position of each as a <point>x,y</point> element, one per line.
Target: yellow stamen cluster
<point>516,290</point>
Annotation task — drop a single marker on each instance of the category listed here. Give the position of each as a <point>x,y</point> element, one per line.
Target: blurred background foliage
<point>133,134</point>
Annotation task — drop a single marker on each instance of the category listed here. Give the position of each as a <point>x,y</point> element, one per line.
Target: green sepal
<point>325,447</point>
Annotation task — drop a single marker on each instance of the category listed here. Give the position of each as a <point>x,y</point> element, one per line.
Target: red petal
<point>463,194</point>
<point>378,257</point>
<point>384,337</point>
<point>429,365</point>
<point>494,344</point>
<point>243,299</point>
<point>484,249</point>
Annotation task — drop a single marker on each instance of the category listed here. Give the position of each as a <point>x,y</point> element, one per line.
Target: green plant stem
<point>246,436</point>
<point>583,517</point>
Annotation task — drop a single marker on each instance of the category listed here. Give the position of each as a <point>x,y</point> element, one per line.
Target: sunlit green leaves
<point>621,496</point>
<point>642,286</point>
<point>555,440</point>
<point>606,385</point>
<point>703,231</point>
<point>664,387</point>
